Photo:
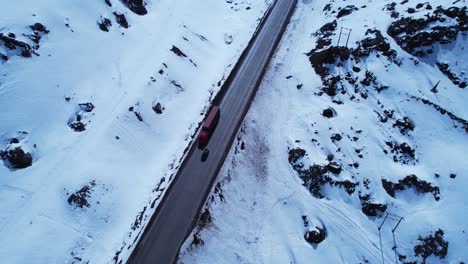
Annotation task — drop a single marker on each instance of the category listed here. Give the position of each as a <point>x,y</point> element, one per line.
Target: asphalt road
<point>177,213</point>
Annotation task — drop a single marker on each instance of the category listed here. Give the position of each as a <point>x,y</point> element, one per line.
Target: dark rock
<point>316,236</point>
<point>138,116</point>
<point>315,177</point>
<point>356,69</point>
<point>14,141</point>
<point>17,158</point>
<point>178,52</point>
<point>373,209</point>
<point>3,57</point>
<point>391,8</point>
<point>406,149</point>
<point>346,11</point>
<point>329,113</point>
<point>121,19</point>
<point>369,79</point>
<point>324,33</point>
<point>404,124</point>
<point>158,108</point>
<point>443,111</point>
<point>77,126</point>
<point>417,36</point>
<point>328,28</point>
<point>375,42</point>
<point>411,181</point>
<point>87,107</point>
<point>38,27</point>
<point>334,167</point>
<point>453,175</point>
<point>295,155</point>
<point>319,59</point>
<point>444,68</point>
<point>336,137</point>
<point>104,24</point>
<point>205,218</point>
<point>80,197</point>
<point>108,2</point>
<point>23,49</point>
<point>432,245</point>
<point>330,85</point>
<point>136,6</point>
<point>197,241</point>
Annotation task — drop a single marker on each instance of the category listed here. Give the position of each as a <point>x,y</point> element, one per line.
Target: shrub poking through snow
<point>432,245</point>
<point>411,181</point>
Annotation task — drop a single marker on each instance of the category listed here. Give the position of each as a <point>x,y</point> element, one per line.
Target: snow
<point>126,163</point>
<point>257,207</point>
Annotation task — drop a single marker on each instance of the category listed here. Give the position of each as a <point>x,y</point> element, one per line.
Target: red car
<point>208,126</point>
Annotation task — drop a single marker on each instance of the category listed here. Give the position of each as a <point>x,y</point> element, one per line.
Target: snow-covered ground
<point>95,115</point>
<point>328,152</point>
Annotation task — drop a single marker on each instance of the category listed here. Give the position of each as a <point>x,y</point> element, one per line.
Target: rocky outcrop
<point>158,109</point>
<point>16,158</point>
<point>315,236</point>
<point>346,11</point>
<point>121,20</point>
<point>411,181</point>
<point>104,24</point>
<point>80,197</point>
<point>329,112</point>
<point>136,6</point>
<point>432,245</point>
<point>404,125</point>
<point>417,36</point>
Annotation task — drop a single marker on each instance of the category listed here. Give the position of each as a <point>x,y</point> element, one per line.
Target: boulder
<point>315,236</point>
<point>329,112</point>
<point>17,158</point>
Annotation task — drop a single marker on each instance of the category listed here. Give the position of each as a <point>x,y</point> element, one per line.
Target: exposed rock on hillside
<point>411,181</point>
<point>417,36</point>
<point>17,158</point>
<point>432,245</point>
<point>136,6</point>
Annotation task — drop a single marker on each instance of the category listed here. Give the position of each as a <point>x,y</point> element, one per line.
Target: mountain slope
<point>98,101</point>
<point>342,138</point>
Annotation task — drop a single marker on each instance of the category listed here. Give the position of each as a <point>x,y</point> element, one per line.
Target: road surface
<point>177,213</point>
